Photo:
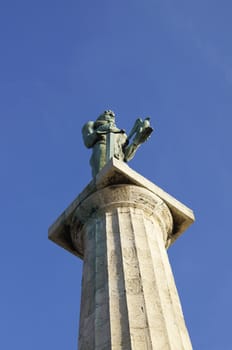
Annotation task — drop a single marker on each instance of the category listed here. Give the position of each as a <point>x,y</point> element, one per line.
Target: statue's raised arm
<point>141,131</point>
<point>109,141</point>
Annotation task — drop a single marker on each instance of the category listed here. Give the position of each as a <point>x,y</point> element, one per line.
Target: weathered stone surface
<point>129,299</point>
<point>120,225</point>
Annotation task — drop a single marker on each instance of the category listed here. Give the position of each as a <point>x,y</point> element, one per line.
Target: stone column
<point>120,226</point>
<point>129,299</point>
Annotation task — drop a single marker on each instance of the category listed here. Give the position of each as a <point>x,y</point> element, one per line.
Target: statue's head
<point>107,116</point>
<point>110,113</point>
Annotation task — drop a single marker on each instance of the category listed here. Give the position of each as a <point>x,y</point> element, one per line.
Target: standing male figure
<point>109,141</point>
<point>95,136</point>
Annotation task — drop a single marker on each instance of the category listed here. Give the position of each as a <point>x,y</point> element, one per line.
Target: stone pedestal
<point>120,226</point>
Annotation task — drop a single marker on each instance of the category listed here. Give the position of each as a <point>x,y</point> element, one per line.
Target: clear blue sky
<point>61,64</point>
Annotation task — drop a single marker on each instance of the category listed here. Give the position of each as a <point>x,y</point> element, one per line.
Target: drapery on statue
<point>108,141</point>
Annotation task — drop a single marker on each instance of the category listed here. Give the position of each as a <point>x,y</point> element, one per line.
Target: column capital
<point>116,174</point>
<point>120,196</point>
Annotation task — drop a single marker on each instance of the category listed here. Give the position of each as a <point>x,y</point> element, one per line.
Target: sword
<point>110,139</point>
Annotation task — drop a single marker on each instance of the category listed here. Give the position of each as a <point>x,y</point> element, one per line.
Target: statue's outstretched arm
<point>142,131</point>
<point>135,128</point>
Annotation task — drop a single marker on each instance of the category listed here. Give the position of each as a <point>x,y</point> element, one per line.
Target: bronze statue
<point>109,141</point>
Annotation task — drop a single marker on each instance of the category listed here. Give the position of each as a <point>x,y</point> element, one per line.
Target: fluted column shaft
<point>129,299</point>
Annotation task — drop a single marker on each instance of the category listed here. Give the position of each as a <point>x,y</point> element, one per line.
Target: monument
<point>121,225</point>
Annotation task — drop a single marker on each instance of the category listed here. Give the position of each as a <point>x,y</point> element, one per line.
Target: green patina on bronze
<point>108,141</point>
